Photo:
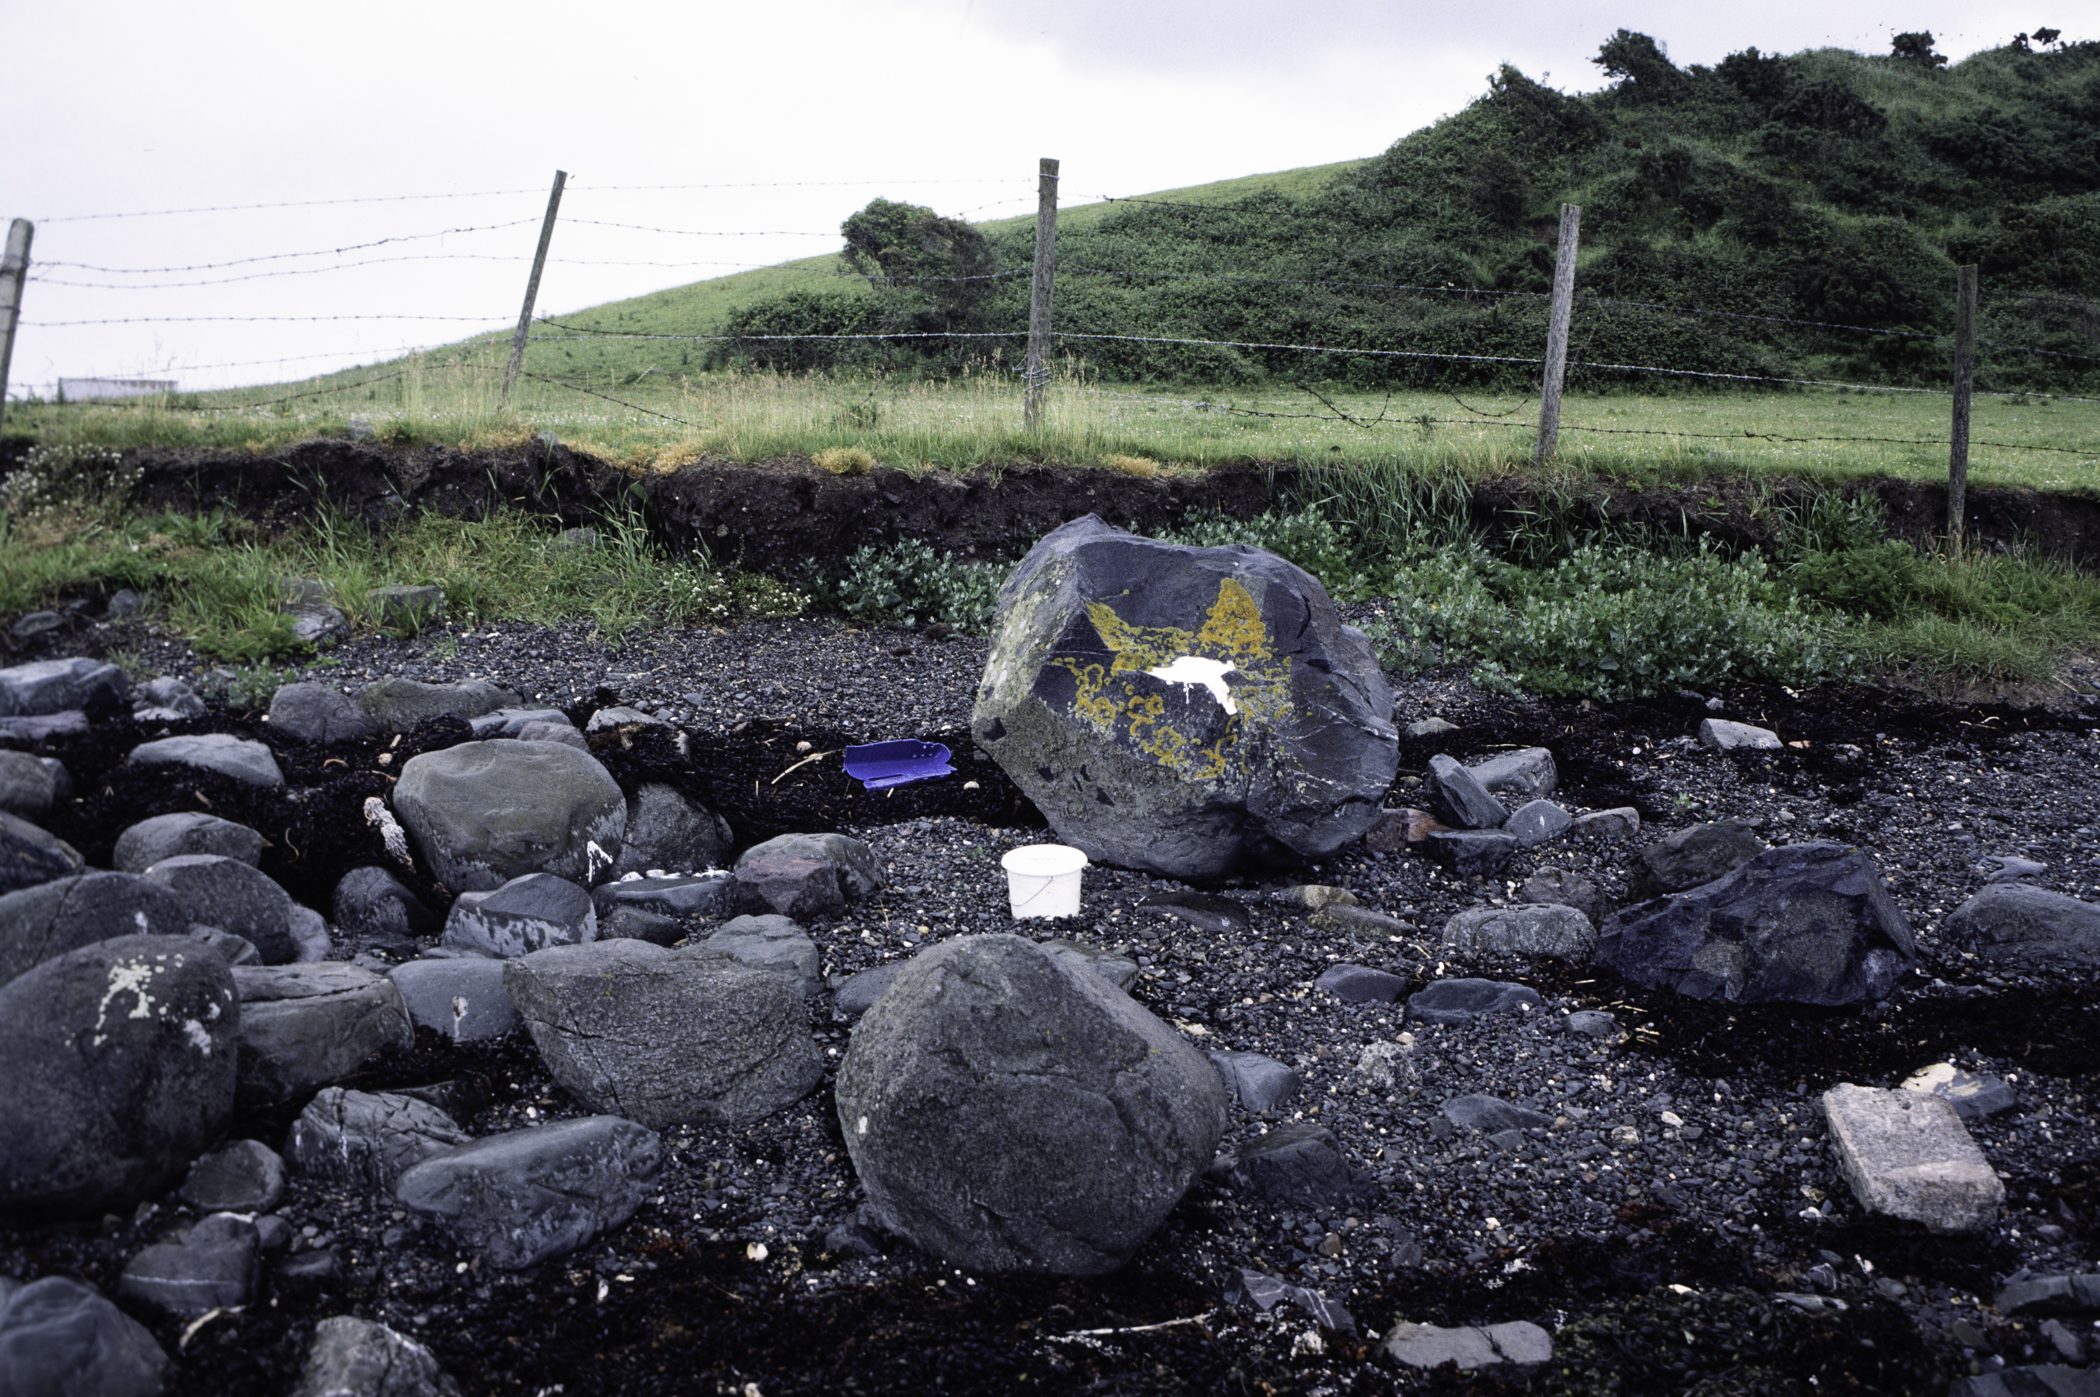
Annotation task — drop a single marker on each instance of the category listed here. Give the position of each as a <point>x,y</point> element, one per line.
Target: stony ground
<point>1679,1227</point>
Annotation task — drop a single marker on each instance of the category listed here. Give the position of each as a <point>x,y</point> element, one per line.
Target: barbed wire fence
<point>1045,336</point>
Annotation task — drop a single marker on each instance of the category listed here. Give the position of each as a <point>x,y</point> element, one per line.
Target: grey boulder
<point>670,831</point>
<point>679,895</point>
<point>1547,931</point>
<point>65,914</point>
<point>527,914</point>
<point>512,722</point>
<point>1801,924</point>
<point>397,705</point>
<point>30,854</point>
<point>460,996</point>
<point>234,897</point>
<point>60,1338</point>
<point>483,813</point>
<point>352,1357</point>
<point>526,1195</point>
<point>53,686</point>
<point>2027,928</point>
<point>306,1026</point>
<point>320,713</point>
<point>120,1071</point>
<point>1473,853</point>
<point>238,758</point>
<point>666,1037</point>
<point>1178,709</point>
<point>368,1140</point>
<point>1536,822</point>
<point>1009,1113</point>
<point>213,1267</point>
<point>149,841</point>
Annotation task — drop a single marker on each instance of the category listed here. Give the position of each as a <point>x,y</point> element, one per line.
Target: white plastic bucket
<point>1042,880</point>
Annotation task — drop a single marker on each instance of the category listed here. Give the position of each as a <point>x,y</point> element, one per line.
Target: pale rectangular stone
<point>1907,1155</point>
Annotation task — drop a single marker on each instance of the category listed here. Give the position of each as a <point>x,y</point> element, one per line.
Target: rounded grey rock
<point>245,1176</point>
<point>31,854</point>
<point>59,1338</point>
<point>232,896</point>
<point>483,813</point>
<point>149,841</point>
<point>248,762</point>
<point>65,914</point>
<point>320,713</point>
<point>1548,931</point>
<point>1008,1113</point>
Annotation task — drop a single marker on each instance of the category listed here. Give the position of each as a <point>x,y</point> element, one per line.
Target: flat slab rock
<point>1431,1346</point>
<point>1907,1155</point>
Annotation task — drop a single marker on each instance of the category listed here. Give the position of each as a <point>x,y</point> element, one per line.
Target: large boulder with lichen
<point>1179,709</point>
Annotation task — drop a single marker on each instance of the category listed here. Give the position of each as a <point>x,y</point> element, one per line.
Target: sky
<point>411,146</point>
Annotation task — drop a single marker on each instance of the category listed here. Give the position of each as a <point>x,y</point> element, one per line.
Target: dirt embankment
<point>780,515</point>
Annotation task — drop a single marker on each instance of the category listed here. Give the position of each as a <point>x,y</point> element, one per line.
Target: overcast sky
<point>125,107</point>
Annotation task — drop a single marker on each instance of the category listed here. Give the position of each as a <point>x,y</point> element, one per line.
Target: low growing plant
<point>909,584</point>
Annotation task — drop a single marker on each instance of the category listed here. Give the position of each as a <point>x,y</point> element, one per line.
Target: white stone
<point>1720,735</point>
<point>1907,1155</point>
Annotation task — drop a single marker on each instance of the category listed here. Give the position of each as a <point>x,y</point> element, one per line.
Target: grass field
<point>659,421</point>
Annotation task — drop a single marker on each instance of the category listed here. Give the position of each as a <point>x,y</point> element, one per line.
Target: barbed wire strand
<point>285,256</point>
<point>635,407</point>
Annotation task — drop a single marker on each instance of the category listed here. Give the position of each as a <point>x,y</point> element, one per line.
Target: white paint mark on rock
<point>1194,669</point>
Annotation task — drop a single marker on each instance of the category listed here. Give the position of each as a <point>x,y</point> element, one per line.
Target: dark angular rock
<point>861,990</point>
<point>1007,1112</point>
<point>526,914</point>
<point>698,895</point>
<point>1359,922</point>
<point>212,1268</point>
<point>245,1176</point>
<point>368,1139</point>
<point>44,727</point>
<point>1694,856</point>
<point>1537,822</point>
<point>1218,915</point>
<point>670,831</point>
<point>1801,924</point>
<point>1360,984</point>
<point>1120,971</point>
<point>1299,1163</point>
<point>30,855</point>
<point>1547,931</point>
<point>59,1338</point>
<point>1177,709</point>
<point>120,1071</point>
<point>1462,1001</point>
<point>511,722</point>
<point>398,705</point>
<point>640,924</point>
<point>306,1026</point>
<point>1474,853</point>
<point>1460,800</point>
<point>1257,1082</point>
<point>800,888</point>
<point>371,904</point>
<point>1565,887</point>
<point>860,874</point>
<point>666,1037</point>
<point>53,686</point>
<point>526,1195</point>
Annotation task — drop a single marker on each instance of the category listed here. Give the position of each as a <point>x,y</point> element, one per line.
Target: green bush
<point>909,584</point>
<point>1307,537</point>
<point>1876,582</point>
<point>1609,622</point>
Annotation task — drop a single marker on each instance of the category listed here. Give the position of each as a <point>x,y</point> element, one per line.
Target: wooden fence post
<point>1557,335</point>
<point>14,267</point>
<point>1035,376</point>
<point>532,288</point>
<point>1964,383</point>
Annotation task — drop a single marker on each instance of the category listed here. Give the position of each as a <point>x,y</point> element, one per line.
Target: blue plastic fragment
<point>882,764</point>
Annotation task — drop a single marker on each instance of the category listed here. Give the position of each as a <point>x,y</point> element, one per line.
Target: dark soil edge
<point>779,516</point>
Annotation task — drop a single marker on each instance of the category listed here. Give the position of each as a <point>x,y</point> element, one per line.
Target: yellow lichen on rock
<point>1232,632</point>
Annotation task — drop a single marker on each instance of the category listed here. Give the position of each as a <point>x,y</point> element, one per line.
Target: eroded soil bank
<point>777,515</point>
